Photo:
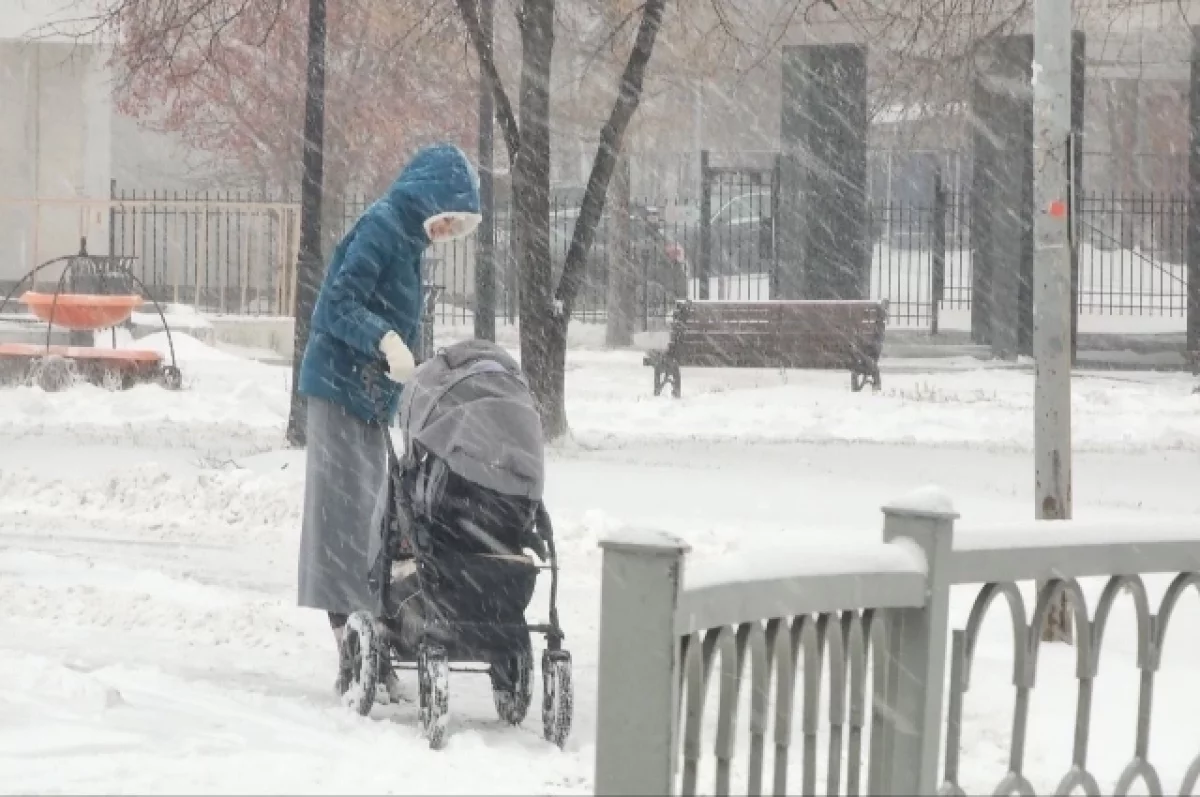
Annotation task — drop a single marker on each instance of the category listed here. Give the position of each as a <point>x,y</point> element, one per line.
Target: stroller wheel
<point>359,663</point>
<point>512,684</point>
<point>558,697</point>
<point>433,679</point>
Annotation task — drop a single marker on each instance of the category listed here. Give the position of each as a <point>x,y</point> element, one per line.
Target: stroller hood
<point>471,407</point>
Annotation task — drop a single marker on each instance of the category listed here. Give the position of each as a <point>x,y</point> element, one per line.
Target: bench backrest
<point>778,334</point>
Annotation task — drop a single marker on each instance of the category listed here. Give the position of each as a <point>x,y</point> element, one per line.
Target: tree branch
<point>469,10</point>
<point>611,139</point>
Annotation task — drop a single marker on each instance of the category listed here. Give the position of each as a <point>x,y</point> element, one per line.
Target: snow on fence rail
<point>758,630</point>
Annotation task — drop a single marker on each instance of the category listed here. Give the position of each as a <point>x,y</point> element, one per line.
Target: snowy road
<point>149,641</point>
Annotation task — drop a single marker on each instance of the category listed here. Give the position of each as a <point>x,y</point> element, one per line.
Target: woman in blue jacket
<point>368,313</point>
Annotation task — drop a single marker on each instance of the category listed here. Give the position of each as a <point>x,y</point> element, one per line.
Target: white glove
<point>399,358</point>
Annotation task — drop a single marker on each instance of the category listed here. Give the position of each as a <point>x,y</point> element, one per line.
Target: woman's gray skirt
<point>345,492</point>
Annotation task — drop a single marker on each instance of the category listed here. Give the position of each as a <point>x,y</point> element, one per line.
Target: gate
<point>736,247</point>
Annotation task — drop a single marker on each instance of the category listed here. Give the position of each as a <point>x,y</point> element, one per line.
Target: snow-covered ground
<point>149,640</point>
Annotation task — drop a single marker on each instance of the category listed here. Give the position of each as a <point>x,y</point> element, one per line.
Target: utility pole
<point>485,240</point>
<point>1052,274</point>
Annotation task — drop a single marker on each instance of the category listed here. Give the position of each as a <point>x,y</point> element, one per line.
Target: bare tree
<point>237,77</point>
<point>621,295</point>
<point>545,308</point>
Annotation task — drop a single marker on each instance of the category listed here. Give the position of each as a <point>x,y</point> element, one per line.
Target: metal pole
<point>1052,271</point>
<point>485,240</point>
<point>1193,228</point>
<point>309,260</point>
<point>938,283</point>
<point>705,263</point>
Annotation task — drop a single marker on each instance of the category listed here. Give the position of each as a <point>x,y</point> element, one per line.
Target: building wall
<point>55,151</point>
<point>145,161</point>
<point>1135,120</point>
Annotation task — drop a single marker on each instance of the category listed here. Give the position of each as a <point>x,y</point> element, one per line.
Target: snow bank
<point>227,404</point>
<point>49,680</point>
<point>175,586</point>
<point>243,502</point>
<point>930,499</point>
<point>957,402</point>
<point>180,317</point>
<point>188,349</point>
<point>610,403</point>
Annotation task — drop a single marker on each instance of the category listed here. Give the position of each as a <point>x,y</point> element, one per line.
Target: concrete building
<point>1136,95</point>
<point>63,142</point>
<point>55,150</point>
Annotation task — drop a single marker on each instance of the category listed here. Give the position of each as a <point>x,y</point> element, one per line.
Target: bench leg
<point>864,373</point>
<point>666,373</point>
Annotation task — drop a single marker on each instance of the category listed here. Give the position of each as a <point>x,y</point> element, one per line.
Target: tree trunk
<point>543,329</point>
<point>1123,123</point>
<point>612,136</point>
<point>334,208</point>
<point>545,310</point>
<point>309,263</point>
<point>485,240</point>
<point>621,279</point>
<point>1058,627</point>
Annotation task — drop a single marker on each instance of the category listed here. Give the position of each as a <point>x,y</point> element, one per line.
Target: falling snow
<point>725,159</point>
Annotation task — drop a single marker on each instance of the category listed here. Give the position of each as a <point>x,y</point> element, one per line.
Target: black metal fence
<point>234,253</point>
<point>1133,254</point>
<point>219,252</point>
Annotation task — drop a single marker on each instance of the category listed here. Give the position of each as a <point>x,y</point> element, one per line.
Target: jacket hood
<point>438,180</point>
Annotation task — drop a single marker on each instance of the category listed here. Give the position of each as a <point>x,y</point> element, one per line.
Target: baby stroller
<point>451,569</point>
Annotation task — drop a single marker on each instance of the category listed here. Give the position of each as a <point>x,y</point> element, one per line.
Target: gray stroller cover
<point>470,407</point>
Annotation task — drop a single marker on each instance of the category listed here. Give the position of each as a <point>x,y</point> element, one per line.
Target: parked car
<point>657,260</point>
<point>743,235</point>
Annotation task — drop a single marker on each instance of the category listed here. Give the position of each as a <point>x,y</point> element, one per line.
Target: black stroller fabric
<point>451,566</point>
<point>459,576</point>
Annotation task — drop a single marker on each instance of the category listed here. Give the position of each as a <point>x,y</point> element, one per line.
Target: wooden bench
<point>773,334</point>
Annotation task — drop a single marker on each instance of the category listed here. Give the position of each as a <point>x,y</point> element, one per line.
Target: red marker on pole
<point>1058,209</point>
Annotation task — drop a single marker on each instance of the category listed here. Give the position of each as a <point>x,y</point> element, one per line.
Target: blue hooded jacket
<point>373,284</point>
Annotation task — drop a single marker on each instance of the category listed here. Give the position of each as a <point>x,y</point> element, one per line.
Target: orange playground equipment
<point>107,300</point>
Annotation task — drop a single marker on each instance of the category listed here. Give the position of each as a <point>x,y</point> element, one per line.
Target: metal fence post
<point>773,279</point>
<point>938,281</point>
<point>638,669</point>
<point>1193,199</point>
<point>905,760</point>
<point>704,266</point>
<point>432,293</point>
